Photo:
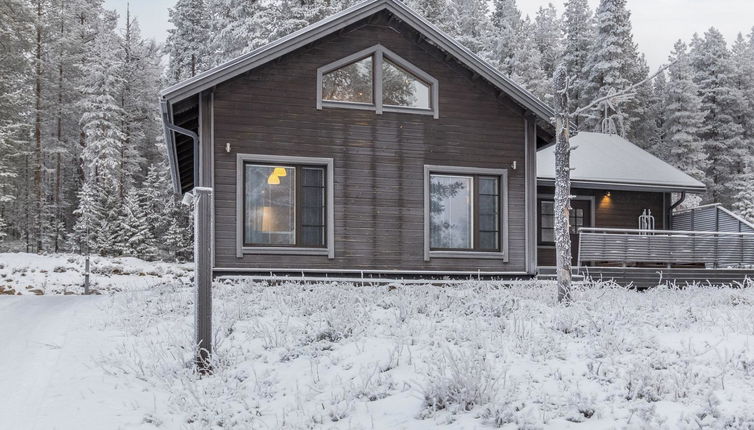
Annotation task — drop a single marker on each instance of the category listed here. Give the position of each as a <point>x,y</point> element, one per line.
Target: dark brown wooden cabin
<point>372,144</point>
<point>368,143</point>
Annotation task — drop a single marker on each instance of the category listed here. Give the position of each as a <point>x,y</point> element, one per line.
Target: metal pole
<point>203,277</point>
<point>86,275</point>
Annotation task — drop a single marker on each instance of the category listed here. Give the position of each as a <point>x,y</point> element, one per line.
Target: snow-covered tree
<point>613,63</point>
<point>547,33</point>
<point>237,28</point>
<point>186,44</point>
<point>103,117</point>
<point>508,30</point>
<point>683,116</point>
<point>136,237</point>
<point>743,203</point>
<point>526,65</point>
<point>578,33</point>
<point>720,132</point>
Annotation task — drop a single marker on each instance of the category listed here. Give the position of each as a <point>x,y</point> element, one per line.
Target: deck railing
<point>671,247</point>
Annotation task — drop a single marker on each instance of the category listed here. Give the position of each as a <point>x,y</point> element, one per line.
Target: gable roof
<point>358,12</point>
<point>181,91</point>
<point>608,161</point>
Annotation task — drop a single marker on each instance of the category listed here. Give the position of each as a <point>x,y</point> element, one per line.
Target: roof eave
<point>166,115</point>
<point>627,186</point>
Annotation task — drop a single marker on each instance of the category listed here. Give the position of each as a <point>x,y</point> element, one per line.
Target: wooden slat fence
<point>625,246</point>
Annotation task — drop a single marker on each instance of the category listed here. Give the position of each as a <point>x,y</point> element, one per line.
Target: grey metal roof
<point>608,161</point>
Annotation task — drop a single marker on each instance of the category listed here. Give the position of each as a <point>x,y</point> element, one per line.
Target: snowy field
<point>304,356</point>
<point>23,273</point>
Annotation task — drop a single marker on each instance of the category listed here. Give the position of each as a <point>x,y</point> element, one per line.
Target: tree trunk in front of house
<point>562,185</point>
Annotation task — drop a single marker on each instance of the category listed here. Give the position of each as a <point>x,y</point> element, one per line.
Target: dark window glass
<point>489,213</point>
<point>546,221</point>
<point>313,207</point>
<point>351,83</point>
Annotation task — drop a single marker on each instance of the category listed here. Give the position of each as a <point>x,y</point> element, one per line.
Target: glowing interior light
<point>273,179</point>
<point>279,171</point>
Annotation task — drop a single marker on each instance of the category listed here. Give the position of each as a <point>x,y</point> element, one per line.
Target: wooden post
<point>203,277</point>
<point>86,275</point>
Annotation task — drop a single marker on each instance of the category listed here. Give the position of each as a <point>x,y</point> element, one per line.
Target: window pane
<point>488,185</point>
<point>548,235</point>
<point>547,221</point>
<point>351,83</point>
<point>488,204</point>
<point>401,88</point>
<point>312,236</point>
<point>313,206</point>
<point>488,223</point>
<point>488,240</point>
<point>547,207</point>
<point>450,211</point>
<point>270,213</point>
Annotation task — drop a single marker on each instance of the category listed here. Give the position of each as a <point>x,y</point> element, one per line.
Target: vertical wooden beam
<point>530,175</point>
<point>203,276</point>
<point>203,235</point>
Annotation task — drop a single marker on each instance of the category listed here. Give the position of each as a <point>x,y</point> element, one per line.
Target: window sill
<point>373,108</point>
<point>284,250</point>
<point>467,254</point>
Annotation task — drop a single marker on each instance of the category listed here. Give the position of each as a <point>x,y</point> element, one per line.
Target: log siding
<point>378,159</point>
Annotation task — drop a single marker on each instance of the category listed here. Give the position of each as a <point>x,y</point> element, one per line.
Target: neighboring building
<point>371,143</point>
<point>613,183</point>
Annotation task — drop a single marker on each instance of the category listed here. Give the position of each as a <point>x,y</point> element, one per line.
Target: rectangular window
<point>580,216</point>
<point>464,212</point>
<point>284,205</point>
<point>546,222</point>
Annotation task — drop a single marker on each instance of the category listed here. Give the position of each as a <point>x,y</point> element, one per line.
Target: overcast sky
<point>657,23</point>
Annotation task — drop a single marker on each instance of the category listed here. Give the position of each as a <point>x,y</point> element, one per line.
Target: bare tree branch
<point>622,93</point>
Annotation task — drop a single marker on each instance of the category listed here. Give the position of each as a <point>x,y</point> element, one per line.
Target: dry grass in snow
<point>336,355</point>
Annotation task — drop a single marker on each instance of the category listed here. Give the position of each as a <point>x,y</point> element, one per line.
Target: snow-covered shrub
<point>459,381</point>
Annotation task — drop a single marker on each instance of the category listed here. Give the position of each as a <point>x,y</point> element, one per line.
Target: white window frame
<point>329,249</point>
<point>502,174</point>
<point>378,54</point>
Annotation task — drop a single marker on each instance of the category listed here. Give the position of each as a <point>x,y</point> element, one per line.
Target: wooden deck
<point>647,277</point>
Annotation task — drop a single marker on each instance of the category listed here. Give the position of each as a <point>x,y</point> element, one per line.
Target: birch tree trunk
<point>562,185</point>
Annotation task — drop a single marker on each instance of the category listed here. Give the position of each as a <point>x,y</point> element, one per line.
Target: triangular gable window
<point>377,79</point>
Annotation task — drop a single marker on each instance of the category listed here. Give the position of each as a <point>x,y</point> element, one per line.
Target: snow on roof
<point>610,161</point>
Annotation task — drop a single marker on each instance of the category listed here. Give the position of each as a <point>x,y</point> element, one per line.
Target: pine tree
<point>186,44</point>
<point>16,33</point>
<point>238,26</point>
<point>722,135</point>
<point>743,203</point>
<point>547,32</point>
<point>135,233</point>
<point>683,116</point>
<point>525,65</point>
<point>103,116</point>
<point>508,30</point>
<point>613,63</point>
<point>472,28</point>
<point>579,33</point>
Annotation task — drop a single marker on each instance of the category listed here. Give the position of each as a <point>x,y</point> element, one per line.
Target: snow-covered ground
<point>23,273</point>
<point>300,356</point>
